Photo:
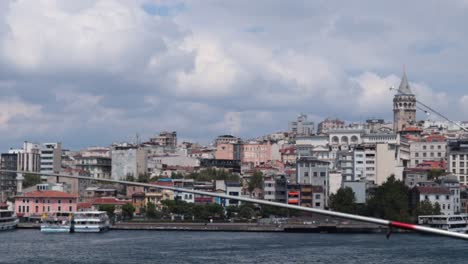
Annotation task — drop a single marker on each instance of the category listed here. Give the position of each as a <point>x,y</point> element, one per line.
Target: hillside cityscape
<point>417,167</point>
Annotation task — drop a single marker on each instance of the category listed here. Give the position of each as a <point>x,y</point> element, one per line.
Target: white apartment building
<point>51,157</point>
<point>29,157</point>
<point>128,161</point>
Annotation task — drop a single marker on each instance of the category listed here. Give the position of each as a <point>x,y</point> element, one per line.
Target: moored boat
<point>453,223</point>
<point>90,222</point>
<point>59,222</point>
<point>8,220</point>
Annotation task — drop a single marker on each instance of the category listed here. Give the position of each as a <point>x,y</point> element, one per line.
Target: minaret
<point>404,106</point>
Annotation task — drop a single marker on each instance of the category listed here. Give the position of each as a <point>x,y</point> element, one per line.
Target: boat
<point>453,223</point>
<point>8,220</point>
<point>90,222</point>
<point>59,222</point>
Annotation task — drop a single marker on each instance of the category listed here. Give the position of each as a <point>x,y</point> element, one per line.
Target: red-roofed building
<point>34,204</point>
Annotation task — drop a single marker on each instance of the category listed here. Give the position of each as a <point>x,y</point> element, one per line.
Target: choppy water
<point>31,246</point>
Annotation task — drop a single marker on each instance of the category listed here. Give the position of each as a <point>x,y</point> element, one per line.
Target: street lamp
<point>431,109</point>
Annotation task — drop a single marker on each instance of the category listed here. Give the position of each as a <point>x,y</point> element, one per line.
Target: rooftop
<point>47,194</point>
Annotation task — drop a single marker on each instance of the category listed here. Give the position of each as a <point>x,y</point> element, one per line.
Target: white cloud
<point>11,108</point>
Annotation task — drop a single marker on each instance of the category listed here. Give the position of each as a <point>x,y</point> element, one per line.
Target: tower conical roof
<point>404,85</point>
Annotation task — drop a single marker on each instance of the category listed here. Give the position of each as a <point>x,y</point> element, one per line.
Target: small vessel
<point>454,223</point>
<point>8,220</point>
<point>59,222</point>
<point>90,222</point>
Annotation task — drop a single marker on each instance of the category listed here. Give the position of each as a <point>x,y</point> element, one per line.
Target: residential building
<point>431,148</point>
<point>314,172</point>
<point>99,167</point>
<point>306,195</point>
<point>228,151</point>
<point>275,189</point>
<point>440,195</point>
<point>457,154</point>
<point>404,106</point>
<point>33,204</point>
<point>329,123</point>
<point>51,157</point>
<point>301,126</point>
<point>227,139</point>
<point>256,152</point>
<point>8,179</point>
<point>229,188</point>
<point>29,157</point>
<point>165,138</point>
<point>184,196</point>
<point>128,161</point>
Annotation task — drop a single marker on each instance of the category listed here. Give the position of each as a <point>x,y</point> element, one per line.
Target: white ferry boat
<point>59,222</point>
<point>8,220</point>
<point>94,221</point>
<point>454,223</point>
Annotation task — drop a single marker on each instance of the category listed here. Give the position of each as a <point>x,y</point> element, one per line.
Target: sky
<point>90,73</point>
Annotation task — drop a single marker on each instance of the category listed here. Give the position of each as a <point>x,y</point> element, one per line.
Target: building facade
<point>34,204</point>
<point>457,153</point>
<point>98,167</point>
<point>128,161</point>
<point>431,148</point>
<point>301,126</point>
<point>51,157</point>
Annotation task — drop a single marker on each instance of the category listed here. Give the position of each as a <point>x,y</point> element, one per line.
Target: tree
<point>31,180</point>
<point>109,209</point>
<point>151,211</point>
<point>343,201</point>
<point>390,201</point>
<point>427,208</point>
<point>128,210</point>
<point>246,212</point>
<point>256,181</point>
<point>144,177</point>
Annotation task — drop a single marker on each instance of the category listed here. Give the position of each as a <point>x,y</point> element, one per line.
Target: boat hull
<point>55,229</point>
<point>90,228</point>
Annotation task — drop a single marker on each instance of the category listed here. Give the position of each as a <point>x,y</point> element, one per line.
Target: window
<point>317,196</point>
<point>432,154</point>
<point>37,201</point>
<point>59,208</point>
<point>424,147</point>
<point>322,174</point>
<point>443,206</point>
<point>48,208</point>
<point>439,147</point>
<point>27,209</point>
<point>37,209</point>
<point>432,147</point>
<point>426,197</point>
<point>306,174</point>
<point>59,201</point>
<point>315,174</point>
<point>424,155</point>
<point>70,209</point>
<point>317,204</point>
<point>462,164</point>
<point>439,154</point>
<point>437,197</point>
<point>416,155</point>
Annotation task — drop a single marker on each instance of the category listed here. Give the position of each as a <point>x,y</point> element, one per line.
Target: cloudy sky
<point>95,72</point>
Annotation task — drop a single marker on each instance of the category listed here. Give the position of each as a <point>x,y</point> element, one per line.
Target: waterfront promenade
<point>239,227</point>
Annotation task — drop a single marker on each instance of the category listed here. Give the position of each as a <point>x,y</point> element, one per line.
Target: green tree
<point>256,181</point>
<point>390,201</point>
<point>246,212</point>
<point>128,210</point>
<point>109,209</point>
<point>31,180</point>
<point>343,201</point>
<point>151,211</point>
<point>130,178</point>
<point>144,177</point>
<point>427,208</point>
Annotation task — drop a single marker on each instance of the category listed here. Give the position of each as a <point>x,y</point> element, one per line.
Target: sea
<point>32,246</point>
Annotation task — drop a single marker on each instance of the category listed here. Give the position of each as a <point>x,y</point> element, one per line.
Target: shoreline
<point>241,227</point>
